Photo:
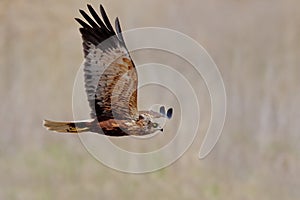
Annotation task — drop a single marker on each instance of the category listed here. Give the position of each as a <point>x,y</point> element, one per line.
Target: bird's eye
<point>155,125</point>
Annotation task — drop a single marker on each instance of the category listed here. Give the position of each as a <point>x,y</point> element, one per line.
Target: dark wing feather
<point>96,17</point>
<point>119,30</point>
<point>106,20</point>
<point>110,74</point>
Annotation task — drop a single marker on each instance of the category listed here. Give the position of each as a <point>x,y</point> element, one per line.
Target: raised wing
<point>110,74</point>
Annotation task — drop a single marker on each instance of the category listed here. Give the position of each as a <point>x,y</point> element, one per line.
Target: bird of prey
<point>111,84</point>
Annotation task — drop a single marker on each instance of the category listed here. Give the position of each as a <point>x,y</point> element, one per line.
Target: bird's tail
<point>67,127</point>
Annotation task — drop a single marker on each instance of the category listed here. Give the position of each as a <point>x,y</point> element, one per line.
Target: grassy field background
<point>256,45</point>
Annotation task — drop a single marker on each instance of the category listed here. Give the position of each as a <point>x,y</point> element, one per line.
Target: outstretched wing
<point>110,74</point>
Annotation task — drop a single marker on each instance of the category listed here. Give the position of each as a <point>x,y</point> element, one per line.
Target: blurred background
<point>255,44</point>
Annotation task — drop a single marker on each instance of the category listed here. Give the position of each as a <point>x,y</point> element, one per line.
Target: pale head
<point>151,121</point>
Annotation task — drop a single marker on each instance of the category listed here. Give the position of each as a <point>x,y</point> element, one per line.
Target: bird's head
<point>152,121</point>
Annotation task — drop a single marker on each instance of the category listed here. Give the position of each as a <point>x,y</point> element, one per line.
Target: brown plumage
<point>111,84</point>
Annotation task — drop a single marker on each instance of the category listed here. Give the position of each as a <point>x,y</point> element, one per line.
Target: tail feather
<point>67,127</point>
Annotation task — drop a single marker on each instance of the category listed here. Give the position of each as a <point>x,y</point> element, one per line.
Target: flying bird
<point>111,83</point>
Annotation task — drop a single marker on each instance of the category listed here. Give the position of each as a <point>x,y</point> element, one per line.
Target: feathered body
<point>111,84</point>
